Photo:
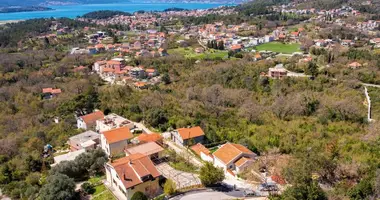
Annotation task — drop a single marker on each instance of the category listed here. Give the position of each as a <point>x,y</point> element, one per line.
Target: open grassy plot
<point>189,53</point>
<point>105,195</point>
<point>279,47</point>
<point>374,93</point>
<point>101,192</point>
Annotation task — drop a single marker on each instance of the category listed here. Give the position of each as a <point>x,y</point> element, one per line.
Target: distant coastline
<point>13,9</point>
<point>72,11</point>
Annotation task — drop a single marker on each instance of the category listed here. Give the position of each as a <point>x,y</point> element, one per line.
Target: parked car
<point>249,193</point>
<point>268,187</point>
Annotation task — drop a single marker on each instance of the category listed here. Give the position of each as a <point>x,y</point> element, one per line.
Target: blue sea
<point>72,11</point>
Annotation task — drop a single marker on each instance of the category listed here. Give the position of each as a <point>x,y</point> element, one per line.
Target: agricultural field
<point>190,53</point>
<point>279,47</point>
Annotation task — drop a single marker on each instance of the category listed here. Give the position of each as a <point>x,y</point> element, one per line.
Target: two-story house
<point>150,149</point>
<point>188,136</point>
<point>88,122</point>
<point>114,141</point>
<point>131,174</point>
<point>278,72</point>
<point>112,121</point>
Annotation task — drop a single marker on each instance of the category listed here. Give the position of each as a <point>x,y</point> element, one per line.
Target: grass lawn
<point>279,47</point>
<point>189,53</point>
<point>105,195</point>
<point>213,149</point>
<point>101,192</point>
<point>184,166</point>
<point>374,93</point>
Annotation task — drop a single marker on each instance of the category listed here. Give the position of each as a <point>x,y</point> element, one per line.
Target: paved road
<point>370,85</point>
<point>182,179</point>
<point>214,195</point>
<point>209,195</point>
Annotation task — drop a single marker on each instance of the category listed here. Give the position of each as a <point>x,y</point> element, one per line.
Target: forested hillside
<point>317,121</point>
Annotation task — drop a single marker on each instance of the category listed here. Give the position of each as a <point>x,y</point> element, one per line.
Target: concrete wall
<point>219,163</point>
<point>118,147</point>
<point>207,157</point>
<point>244,166</point>
<point>147,188</point>
<point>104,145</point>
<point>81,124</point>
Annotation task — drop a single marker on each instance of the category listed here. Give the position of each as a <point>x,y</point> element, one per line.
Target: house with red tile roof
<point>188,136</point>
<point>150,149</point>
<point>236,47</point>
<point>233,157</point>
<point>88,122</point>
<point>114,141</point>
<point>354,65</point>
<point>49,93</point>
<point>131,174</point>
<point>152,137</point>
<point>202,152</point>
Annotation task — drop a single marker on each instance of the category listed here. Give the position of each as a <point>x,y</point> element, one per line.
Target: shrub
<point>88,188</point>
<point>210,174</point>
<point>169,187</point>
<point>139,196</point>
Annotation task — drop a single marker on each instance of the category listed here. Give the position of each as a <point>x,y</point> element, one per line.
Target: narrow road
<point>369,103</point>
<point>370,85</point>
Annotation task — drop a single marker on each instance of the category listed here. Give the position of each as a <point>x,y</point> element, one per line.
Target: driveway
<point>182,179</point>
<point>142,127</point>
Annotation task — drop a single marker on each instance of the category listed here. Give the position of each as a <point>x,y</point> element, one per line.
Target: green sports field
<point>279,47</point>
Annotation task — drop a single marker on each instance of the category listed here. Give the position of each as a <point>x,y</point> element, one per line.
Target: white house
<point>268,38</point>
<point>131,174</point>
<point>114,141</point>
<point>188,136</point>
<point>87,122</point>
<point>203,152</point>
<point>112,121</point>
<point>87,140</point>
<point>233,158</point>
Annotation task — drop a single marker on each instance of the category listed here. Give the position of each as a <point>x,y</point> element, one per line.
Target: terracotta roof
<point>114,62</point>
<point>278,179</point>
<point>153,137</point>
<point>51,90</point>
<point>117,134</point>
<point>198,148</point>
<point>99,46</point>
<point>133,168</point>
<point>355,64</point>
<point>147,149</point>
<point>108,70</point>
<point>140,84</point>
<point>150,70</point>
<point>242,161</point>
<point>230,151</point>
<point>236,47</point>
<point>92,117</point>
<point>187,133</point>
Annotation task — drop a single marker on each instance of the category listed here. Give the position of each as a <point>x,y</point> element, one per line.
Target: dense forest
<point>104,14</point>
